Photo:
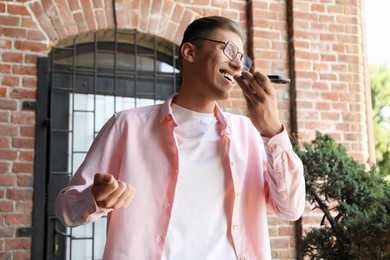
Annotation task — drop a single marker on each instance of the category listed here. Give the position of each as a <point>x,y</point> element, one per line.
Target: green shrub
<point>355,203</point>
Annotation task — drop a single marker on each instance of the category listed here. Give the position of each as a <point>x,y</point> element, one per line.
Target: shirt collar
<point>166,116</point>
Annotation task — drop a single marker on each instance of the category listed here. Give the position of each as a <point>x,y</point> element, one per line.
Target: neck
<point>194,102</point>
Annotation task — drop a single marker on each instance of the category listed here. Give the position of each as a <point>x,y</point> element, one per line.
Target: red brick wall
<point>326,66</point>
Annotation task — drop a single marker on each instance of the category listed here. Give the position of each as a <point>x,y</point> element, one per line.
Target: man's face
<point>212,71</point>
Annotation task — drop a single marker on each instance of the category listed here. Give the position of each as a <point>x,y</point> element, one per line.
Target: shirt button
<point>242,258</point>
<point>272,146</point>
<point>235,227</point>
<point>279,174</point>
<point>159,239</point>
<point>238,194</point>
<point>231,163</point>
<point>168,204</point>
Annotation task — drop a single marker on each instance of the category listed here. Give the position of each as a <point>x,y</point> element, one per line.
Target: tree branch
<point>325,209</point>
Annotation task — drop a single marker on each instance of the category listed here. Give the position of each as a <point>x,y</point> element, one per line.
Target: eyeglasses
<point>231,51</point>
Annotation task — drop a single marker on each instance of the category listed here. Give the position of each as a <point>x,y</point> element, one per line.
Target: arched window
<point>89,78</point>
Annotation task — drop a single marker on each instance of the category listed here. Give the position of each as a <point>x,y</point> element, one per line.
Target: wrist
<point>272,131</point>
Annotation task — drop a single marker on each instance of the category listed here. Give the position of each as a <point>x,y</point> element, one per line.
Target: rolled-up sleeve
<point>75,204</point>
<point>285,183</point>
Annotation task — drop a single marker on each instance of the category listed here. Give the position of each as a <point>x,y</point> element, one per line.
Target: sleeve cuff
<point>280,142</point>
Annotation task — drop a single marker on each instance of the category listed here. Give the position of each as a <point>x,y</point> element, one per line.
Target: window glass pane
<point>83,134</point>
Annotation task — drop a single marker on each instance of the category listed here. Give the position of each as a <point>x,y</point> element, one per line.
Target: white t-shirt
<point>198,225</point>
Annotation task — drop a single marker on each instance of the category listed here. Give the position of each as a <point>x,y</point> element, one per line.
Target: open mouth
<point>228,77</point>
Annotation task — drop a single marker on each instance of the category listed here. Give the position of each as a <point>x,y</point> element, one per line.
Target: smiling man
<point>204,179</point>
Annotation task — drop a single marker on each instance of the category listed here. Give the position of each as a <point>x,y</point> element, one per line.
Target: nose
<point>237,64</point>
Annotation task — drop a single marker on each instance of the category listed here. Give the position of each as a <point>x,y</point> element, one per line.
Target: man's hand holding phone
<point>261,100</point>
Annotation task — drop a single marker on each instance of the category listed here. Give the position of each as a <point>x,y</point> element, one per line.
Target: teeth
<point>228,76</point>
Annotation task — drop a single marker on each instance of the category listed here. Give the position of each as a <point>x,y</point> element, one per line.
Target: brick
<point>330,96</point>
<point>18,243</point>
<point>18,10</point>
<point>7,232</point>
<point>27,131</point>
<point>74,5</point>
<point>286,231</point>
<point>279,243</point>
<point>6,20</point>
<point>24,206</point>
<point>24,70</point>
<point>10,81</point>
<point>25,143</point>
<point>328,57</point>
<point>66,17</point>
<point>5,68</point>
<point>19,194</point>
<point>7,180</point>
<point>31,58</point>
<point>330,116</point>
<point>5,255</point>
<point>23,93</point>
<point>177,13</point>
<point>35,35</point>
<point>100,18</point>
<point>328,76</point>
<point>109,14</point>
<point>8,104</point>
<point>26,156</point>
<point>8,130</point>
<point>8,155</point>
<point>29,23</point>
<point>80,22</point>
<point>23,168</point>
<point>266,34</point>
<point>144,14</point>
<point>22,254</point>
<point>12,57</point>
<point>89,15</point>
<point>23,118</point>
<point>5,44</point>
<point>4,168</point>
<point>25,181</point>
<point>319,8</point>
<point>322,106</point>
<point>5,142</point>
<point>31,46</point>
<point>29,82</point>
<point>3,92</point>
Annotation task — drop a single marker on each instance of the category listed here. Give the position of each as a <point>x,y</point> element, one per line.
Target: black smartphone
<point>278,79</point>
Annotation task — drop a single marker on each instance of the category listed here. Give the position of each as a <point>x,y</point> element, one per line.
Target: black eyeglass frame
<point>244,59</point>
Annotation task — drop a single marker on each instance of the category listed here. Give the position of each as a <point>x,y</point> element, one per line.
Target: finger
<point>103,178</point>
<point>243,83</point>
<point>112,199</point>
<point>103,186</point>
<point>125,198</point>
<point>264,81</point>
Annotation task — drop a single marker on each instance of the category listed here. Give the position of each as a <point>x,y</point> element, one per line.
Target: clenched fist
<point>110,193</point>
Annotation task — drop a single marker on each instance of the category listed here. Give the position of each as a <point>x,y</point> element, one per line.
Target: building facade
<point>66,66</point>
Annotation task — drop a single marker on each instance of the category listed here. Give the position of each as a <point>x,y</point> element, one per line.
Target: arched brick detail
<point>60,19</point>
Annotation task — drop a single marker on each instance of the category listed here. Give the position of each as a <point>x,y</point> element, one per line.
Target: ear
<point>188,52</point>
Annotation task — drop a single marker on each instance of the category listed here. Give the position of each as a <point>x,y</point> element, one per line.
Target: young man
<point>204,179</point>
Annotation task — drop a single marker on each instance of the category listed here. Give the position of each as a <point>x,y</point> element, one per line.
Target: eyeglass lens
<point>231,52</point>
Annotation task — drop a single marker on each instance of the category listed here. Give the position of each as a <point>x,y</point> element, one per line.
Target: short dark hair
<point>203,27</point>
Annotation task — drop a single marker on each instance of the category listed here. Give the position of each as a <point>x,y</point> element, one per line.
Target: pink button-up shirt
<point>138,147</point>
